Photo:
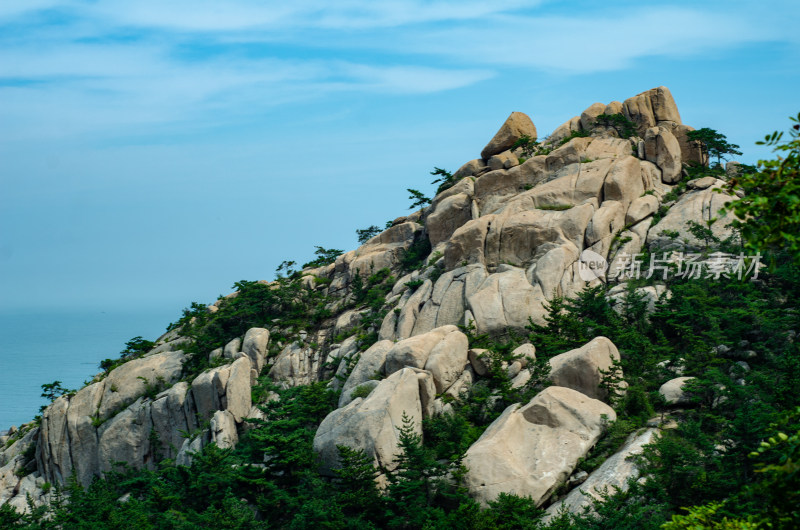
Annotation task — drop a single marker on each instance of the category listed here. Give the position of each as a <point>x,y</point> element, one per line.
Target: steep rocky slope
<point>507,234</point>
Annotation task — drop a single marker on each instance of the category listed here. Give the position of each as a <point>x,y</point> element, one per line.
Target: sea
<point>39,346</point>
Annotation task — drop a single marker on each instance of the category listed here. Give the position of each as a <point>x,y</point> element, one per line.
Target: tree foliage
<point>418,199</point>
<point>713,144</point>
<point>768,215</point>
<point>365,234</point>
<point>325,256</point>
<point>624,127</point>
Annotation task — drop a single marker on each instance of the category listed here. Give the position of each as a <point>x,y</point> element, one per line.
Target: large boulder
<point>531,449</point>
<point>515,127</point>
<point>255,345</point>
<point>651,108</point>
<point>662,148</point>
<point>168,412</point>
<point>589,115</point>
<point>640,208</point>
<point>223,429</point>
<point>448,301</point>
<point>581,369</point>
<point>372,424</point>
<point>624,181</point>
<point>125,438</point>
<point>495,188</point>
<point>237,389</point>
<point>514,236</point>
<point>208,389</point>
<point>473,167</point>
<point>673,392</point>
<point>370,365</point>
<point>442,352</point>
<point>564,130</point>
<point>615,472</point>
<point>606,223</point>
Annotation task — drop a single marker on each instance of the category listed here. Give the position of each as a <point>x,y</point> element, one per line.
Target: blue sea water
<point>42,346</point>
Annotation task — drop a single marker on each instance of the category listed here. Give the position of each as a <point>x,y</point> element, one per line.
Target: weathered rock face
<point>699,206</point>
<point>613,473</point>
<point>662,148</point>
<point>130,380</point>
<point>369,366</point>
<point>371,424</point>
<point>651,108</point>
<point>582,369</point>
<point>506,300</point>
<point>529,450</point>
<point>298,364</point>
<point>138,412</point>
<point>516,126</point>
<point>442,352</point>
<point>449,214</point>
<point>255,345</point>
<point>382,251</point>
<point>14,490</point>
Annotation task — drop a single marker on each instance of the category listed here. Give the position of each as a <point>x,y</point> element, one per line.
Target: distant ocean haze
<point>39,346</point>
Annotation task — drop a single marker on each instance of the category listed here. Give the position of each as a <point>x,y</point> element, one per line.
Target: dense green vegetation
<point>271,478</point>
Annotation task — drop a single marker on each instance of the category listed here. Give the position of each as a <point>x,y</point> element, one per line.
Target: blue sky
<point>152,153</point>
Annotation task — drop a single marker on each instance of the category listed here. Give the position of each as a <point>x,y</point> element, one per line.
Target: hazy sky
<point>152,153</point>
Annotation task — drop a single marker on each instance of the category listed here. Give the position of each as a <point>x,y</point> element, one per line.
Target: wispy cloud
<point>340,15</point>
<point>99,64</point>
<point>586,44</point>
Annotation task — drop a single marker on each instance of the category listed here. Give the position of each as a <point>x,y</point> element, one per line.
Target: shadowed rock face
<point>613,473</point>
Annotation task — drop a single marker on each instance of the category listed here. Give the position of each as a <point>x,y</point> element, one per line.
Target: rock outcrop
<point>140,412</point>
<point>511,232</point>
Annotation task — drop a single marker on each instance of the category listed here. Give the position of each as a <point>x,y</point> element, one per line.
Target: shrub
<point>624,127</point>
<point>361,391</point>
<point>365,234</point>
<point>574,134</point>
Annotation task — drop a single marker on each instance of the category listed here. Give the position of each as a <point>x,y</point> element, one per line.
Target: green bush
<point>624,127</point>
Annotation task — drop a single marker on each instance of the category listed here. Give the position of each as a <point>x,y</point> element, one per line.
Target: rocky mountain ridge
<point>495,247</point>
